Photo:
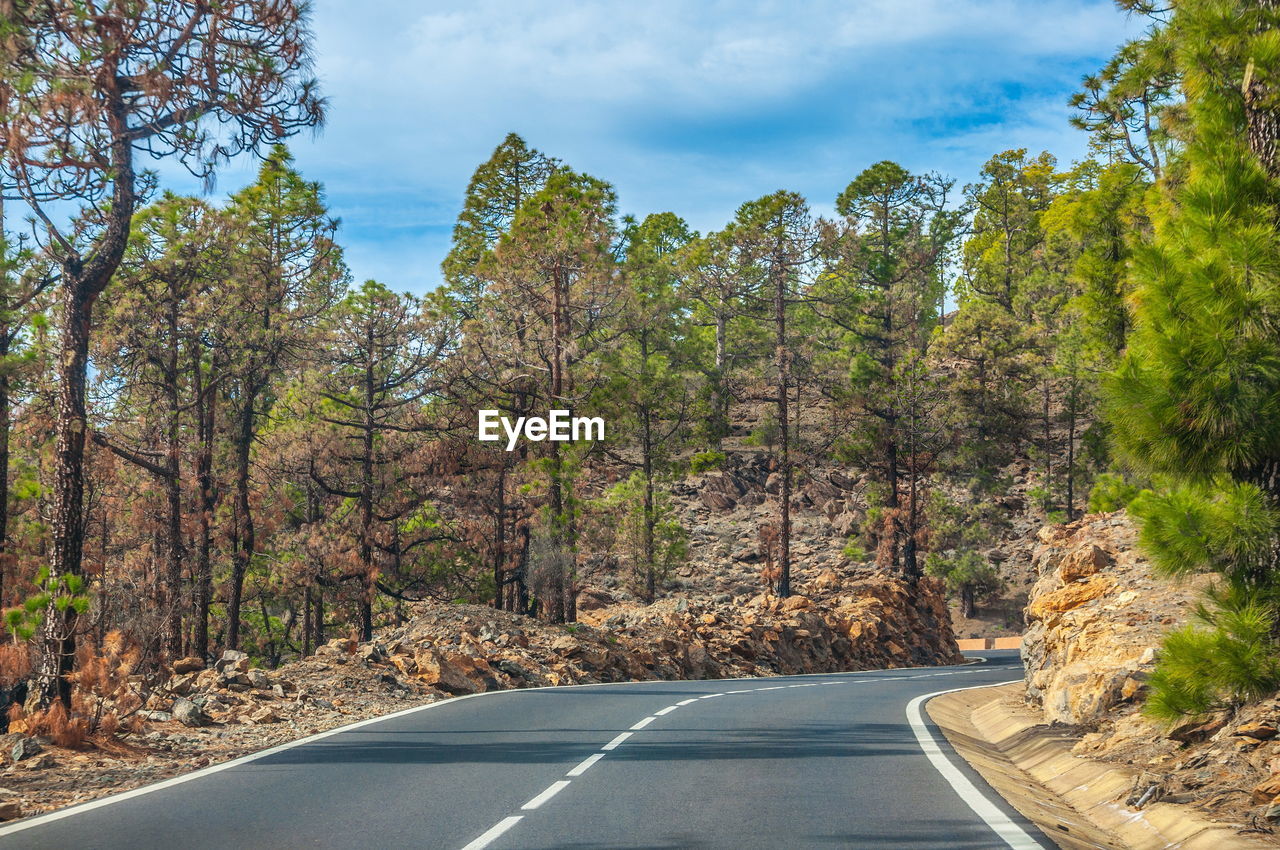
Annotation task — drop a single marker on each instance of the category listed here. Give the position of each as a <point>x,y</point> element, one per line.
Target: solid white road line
<point>666,710</point>
<point>1012,834</point>
<point>492,834</point>
<point>643,723</point>
<point>551,790</point>
<point>613,745</point>
<point>585,765</point>
<point>710,696</point>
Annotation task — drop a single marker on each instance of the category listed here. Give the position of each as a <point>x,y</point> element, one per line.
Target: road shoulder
<point>1078,802</point>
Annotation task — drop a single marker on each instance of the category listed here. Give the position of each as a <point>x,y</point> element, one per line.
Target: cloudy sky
<point>692,106</point>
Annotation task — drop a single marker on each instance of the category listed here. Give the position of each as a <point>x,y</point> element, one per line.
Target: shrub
<point>706,461</point>
<point>1110,492</point>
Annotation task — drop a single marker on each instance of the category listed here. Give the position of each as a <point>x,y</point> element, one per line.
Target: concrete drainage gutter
<point>1076,801</point>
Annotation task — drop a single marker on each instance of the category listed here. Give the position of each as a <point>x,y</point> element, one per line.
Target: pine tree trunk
<point>5,426</point>
<point>500,539</point>
<point>783,366</point>
<point>59,631</point>
<point>242,557</point>
<point>205,412</point>
<point>366,497</point>
<point>172,637</point>
<point>82,283</point>
<point>1262,118</point>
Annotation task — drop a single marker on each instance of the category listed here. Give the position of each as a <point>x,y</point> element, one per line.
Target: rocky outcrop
<point>1095,618</point>
<point>840,622</point>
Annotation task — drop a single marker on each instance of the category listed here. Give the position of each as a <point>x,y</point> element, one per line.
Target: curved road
<point>789,762</point>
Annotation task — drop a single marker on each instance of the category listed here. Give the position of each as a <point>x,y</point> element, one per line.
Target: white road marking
<point>687,701</point>
<point>585,765</point>
<point>613,745</point>
<point>643,723</point>
<point>551,790</point>
<point>666,710</point>
<point>1012,834</point>
<point>710,696</point>
<point>501,827</point>
<point>492,834</point>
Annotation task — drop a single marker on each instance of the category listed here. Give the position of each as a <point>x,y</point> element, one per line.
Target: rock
<point>1066,598</point>
<point>181,684</point>
<point>10,810</point>
<point>795,603</point>
<point>826,580</point>
<point>188,713</point>
<point>1267,790</point>
<point>232,660</point>
<point>207,680</point>
<point>1197,730</point>
<point>190,664</point>
<point>257,679</point>
<point>156,716</point>
<point>44,761</point>
<point>25,748</point>
<point>594,598</point>
<point>264,715</point>
<point>1260,731</point>
<point>718,501</point>
<point>1272,812</point>
<point>372,652</point>
<point>1083,562</point>
<point>435,668</point>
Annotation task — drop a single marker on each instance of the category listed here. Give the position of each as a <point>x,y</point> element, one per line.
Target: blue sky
<point>692,106</point>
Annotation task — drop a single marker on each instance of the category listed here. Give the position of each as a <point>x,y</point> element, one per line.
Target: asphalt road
<point>790,762</point>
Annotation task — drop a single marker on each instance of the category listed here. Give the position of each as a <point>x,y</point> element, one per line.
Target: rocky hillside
<point>1096,616</point>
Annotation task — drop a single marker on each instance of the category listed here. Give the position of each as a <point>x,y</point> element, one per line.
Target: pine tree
<point>649,394</point>
<point>1196,400</point>
<point>879,298</point>
<point>290,273</point>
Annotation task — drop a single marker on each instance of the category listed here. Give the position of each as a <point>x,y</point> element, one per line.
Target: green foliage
<point>1234,661</point>
<point>1111,492</point>
<point>854,551</point>
<point>706,461</point>
<point>965,572</point>
<point>653,541</point>
<point>67,592</point>
<point>1195,403</point>
<point>765,434</point>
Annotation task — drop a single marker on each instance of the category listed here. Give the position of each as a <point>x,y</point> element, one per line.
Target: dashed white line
<point>613,745</point>
<point>493,833</point>
<point>551,790</point>
<point>585,765</point>
<point>1013,835</point>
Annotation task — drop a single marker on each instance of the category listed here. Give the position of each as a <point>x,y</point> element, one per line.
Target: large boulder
<point>188,713</point>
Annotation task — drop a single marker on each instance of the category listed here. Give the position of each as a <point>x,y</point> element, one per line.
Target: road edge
<point>1075,800</point>
<point>25,823</point>
<point>1010,832</point>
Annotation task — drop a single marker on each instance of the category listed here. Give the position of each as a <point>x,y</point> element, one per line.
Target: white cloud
<point>689,106</point>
